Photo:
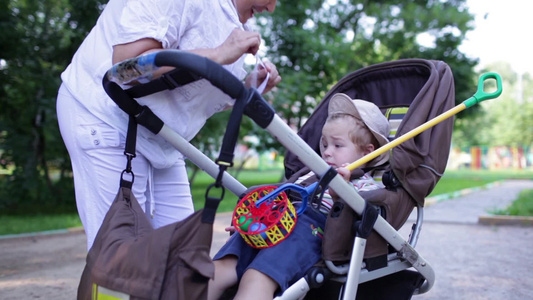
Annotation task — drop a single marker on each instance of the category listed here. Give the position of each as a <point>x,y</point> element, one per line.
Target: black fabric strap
<point>322,186</point>
<point>131,137</point>
<point>211,204</point>
<point>231,135</point>
<point>143,115</point>
<point>167,81</point>
<point>225,158</point>
<point>129,151</point>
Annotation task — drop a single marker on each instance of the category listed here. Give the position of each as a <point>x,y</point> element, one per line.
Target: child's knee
<point>256,285</point>
<point>225,277</point>
<point>226,270</point>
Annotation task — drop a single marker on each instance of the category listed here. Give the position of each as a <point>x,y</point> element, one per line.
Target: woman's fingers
<point>239,42</point>
<point>274,78</point>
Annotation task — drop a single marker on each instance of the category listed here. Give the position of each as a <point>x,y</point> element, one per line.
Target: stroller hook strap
<point>129,152</point>
<point>137,115</point>
<point>231,135</point>
<point>129,105</point>
<point>211,204</point>
<point>322,186</point>
<point>131,140</point>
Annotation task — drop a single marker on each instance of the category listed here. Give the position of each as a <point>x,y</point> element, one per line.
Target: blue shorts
<point>287,261</point>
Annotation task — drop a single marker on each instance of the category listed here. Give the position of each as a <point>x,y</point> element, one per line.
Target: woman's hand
<point>260,74</point>
<point>239,42</point>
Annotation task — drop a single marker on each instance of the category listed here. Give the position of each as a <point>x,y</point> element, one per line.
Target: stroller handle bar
<point>142,69</point>
<point>479,96</point>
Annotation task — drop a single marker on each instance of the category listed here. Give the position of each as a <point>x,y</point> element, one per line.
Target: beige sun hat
<point>367,112</point>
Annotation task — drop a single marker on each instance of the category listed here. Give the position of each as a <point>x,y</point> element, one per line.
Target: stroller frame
<point>263,114</point>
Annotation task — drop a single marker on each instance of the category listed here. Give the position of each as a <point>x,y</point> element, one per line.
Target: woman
<point>94,128</point>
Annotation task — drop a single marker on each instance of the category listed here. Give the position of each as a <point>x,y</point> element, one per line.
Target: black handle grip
<point>203,67</point>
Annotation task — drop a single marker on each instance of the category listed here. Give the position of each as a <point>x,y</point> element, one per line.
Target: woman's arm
<point>122,52</point>
<point>238,43</point>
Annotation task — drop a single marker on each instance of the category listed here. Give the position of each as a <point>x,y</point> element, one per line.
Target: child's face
<point>337,146</point>
<point>247,8</point>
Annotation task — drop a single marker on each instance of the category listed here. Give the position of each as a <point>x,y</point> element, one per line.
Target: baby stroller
<point>410,90</point>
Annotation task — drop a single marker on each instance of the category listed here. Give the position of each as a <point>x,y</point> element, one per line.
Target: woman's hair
<point>359,132</point>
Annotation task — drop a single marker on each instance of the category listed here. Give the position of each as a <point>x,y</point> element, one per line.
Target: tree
<point>505,121</point>
<point>37,41</point>
<point>314,43</point>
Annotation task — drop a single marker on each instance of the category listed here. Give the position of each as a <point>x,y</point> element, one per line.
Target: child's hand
<point>345,173</point>
<point>230,229</point>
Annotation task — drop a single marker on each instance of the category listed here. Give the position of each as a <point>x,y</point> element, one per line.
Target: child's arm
<point>345,173</point>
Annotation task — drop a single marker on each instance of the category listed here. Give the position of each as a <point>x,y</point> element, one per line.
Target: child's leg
<point>256,285</point>
<point>225,277</point>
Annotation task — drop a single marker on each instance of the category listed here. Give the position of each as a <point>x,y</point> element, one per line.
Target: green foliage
<point>37,41</point>
<point>313,43</point>
<point>505,121</point>
<point>37,223</point>
<point>523,206</point>
<point>453,184</point>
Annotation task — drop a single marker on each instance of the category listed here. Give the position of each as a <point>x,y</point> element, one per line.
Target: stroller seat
<point>409,93</point>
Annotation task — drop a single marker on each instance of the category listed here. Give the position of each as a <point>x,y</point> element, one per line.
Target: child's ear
<point>369,148</point>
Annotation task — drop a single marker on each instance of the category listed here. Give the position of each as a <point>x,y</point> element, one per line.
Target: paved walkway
<point>471,261</point>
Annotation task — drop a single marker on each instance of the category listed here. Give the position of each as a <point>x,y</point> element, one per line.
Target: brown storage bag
<point>131,257</point>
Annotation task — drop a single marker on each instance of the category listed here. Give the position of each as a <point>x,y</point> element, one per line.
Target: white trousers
<point>97,154</point>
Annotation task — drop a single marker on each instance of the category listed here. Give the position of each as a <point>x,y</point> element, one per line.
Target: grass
<point>35,223</point>
<point>523,206</point>
<point>456,180</point>
<point>451,181</point>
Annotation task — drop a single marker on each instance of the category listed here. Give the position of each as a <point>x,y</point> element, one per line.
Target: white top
<point>183,24</point>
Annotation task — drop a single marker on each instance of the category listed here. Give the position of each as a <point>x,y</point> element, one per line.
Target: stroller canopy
<point>426,87</point>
